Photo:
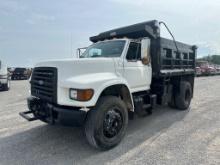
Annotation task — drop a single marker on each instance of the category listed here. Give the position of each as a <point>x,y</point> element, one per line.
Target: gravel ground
<point>166,137</point>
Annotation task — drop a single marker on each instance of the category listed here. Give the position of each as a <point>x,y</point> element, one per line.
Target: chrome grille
<point>44,83</point>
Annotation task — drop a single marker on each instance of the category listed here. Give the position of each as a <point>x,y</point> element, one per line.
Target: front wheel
<point>106,123</point>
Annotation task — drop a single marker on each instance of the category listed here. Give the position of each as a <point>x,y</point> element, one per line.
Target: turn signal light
<point>81,94</point>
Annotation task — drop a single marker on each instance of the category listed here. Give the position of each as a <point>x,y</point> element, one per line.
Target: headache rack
<point>44,83</point>
<point>168,57</point>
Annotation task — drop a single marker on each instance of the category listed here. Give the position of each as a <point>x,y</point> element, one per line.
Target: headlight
<point>81,94</point>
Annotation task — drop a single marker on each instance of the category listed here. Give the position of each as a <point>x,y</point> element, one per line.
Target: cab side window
<point>134,52</point>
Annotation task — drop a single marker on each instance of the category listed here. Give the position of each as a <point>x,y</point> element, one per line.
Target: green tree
<point>215,59</point>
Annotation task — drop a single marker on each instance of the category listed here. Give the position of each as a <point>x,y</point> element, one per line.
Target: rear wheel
<point>184,96</point>
<point>106,123</point>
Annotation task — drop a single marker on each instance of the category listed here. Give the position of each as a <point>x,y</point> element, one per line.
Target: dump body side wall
<point>168,61</point>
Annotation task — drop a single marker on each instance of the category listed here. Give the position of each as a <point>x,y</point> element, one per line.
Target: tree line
<point>215,59</point>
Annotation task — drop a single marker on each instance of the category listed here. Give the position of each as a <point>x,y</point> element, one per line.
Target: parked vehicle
<point>198,71</point>
<point>217,67</point>
<point>4,77</point>
<point>125,71</point>
<point>20,74</point>
<point>206,68</point>
<point>212,70</point>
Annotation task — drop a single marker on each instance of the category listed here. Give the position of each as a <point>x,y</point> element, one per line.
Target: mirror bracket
<point>145,51</point>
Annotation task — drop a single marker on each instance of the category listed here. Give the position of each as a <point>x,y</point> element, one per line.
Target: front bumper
<point>56,114</point>
<point>19,76</point>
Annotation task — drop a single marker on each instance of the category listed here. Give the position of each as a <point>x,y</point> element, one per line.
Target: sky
<point>32,31</point>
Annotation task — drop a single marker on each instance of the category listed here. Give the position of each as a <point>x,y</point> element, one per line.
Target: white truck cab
<point>4,77</point>
<point>103,64</point>
<point>125,71</point>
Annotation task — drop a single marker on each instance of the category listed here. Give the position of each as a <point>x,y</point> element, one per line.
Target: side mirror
<point>145,51</point>
<point>145,60</point>
<point>80,51</point>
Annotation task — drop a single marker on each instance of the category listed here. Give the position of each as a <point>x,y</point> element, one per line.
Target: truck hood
<point>72,68</point>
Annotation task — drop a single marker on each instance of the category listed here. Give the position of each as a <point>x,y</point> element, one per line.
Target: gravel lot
<point>166,137</point>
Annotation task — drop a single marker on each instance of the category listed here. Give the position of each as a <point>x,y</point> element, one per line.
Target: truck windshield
<point>104,49</point>
<point>19,70</point>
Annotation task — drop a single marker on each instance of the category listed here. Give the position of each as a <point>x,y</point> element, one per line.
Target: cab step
<point>28,115</point>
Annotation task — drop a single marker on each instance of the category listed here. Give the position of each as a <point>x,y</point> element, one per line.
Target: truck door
<point>137,73</point>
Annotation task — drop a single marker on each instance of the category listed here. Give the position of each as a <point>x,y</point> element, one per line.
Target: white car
<point>4,78</point>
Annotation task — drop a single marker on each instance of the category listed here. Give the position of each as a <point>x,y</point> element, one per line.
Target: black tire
<point>184,96</point>
<point>98,128</point>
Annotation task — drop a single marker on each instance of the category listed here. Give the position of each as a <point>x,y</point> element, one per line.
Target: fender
<point>118,81</point>
<point>96,81</point>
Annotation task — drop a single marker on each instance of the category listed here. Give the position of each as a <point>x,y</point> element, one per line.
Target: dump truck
<point>126,72</point>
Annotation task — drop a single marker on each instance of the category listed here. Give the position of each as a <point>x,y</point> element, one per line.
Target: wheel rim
<point>113,123</point>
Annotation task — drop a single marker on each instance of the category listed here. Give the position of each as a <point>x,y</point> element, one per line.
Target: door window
<point>134,52</point>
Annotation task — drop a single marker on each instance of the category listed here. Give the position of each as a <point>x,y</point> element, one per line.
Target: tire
<point>183,98</point>
<point>106,123</point>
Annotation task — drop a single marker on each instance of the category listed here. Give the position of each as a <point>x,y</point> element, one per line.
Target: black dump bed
<point>167,58</point>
